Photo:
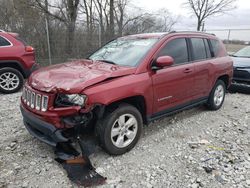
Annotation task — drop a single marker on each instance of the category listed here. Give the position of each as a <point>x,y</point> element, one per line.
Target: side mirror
<point>164,61</point>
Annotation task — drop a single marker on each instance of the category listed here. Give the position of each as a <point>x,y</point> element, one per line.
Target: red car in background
<point>17,61</point>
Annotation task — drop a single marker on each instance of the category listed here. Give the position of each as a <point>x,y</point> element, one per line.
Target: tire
<point>11,80</point>
<point>117,120</point>
<point>217,95</point>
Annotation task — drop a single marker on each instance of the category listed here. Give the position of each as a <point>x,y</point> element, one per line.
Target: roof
<point>159,35</point>
<point>146,35</point>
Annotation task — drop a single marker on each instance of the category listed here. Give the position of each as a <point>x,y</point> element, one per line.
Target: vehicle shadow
<point>91,142</point>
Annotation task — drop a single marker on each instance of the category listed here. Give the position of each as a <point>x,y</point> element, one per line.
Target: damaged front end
<point>54,118</point>
<point>60,121</point>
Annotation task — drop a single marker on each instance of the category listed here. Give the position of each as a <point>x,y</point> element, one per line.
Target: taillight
<point>29,49</point>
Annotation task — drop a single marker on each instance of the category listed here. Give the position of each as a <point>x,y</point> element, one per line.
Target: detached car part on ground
<point>17,61</point>
<point>129,82</point>
<point>242,67</point>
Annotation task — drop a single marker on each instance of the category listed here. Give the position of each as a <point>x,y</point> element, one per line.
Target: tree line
<point>76,28</point>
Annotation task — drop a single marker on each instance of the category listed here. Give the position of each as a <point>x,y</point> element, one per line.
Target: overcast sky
<point>238,18</point>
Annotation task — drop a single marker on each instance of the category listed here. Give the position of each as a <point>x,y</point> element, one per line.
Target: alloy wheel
<point>124,130</point>
<point>9,81</point>
<point>219,95</point>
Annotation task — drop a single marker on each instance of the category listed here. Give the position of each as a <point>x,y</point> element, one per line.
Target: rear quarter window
<point>215,47</point>
<point>4,42</point>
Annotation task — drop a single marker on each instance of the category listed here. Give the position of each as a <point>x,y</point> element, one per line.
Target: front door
<point>173,85</point>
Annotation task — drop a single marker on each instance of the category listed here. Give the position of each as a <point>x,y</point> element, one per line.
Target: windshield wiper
<point>107,61</point>
<point>232,55</point>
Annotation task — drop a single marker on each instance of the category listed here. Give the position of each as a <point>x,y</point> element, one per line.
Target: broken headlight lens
<point>64,100</point>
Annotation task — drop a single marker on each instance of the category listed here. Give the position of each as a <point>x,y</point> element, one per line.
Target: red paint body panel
<point>172,86</point>
<point>75,76</point>
<point>16,52</point>
<point>104,83</point>
<point>111,91</point>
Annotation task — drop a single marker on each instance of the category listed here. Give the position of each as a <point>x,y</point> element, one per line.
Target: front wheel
<point>217,95</point>
<point>120,130</point>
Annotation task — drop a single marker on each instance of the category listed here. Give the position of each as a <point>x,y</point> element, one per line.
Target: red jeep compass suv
<point>127,83</point>
<point>17,61</point>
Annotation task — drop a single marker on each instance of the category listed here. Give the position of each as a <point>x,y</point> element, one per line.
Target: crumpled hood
<point>241,62</point>
<point>75,76</point>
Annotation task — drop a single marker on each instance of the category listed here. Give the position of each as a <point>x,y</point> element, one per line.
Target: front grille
<point>35,100</point>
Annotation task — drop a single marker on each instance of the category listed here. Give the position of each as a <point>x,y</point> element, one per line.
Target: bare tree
<point>65,11</point>
<point>82,23</point>
<point>88,11</point>
<point>203,9</point>
<point>158,21</point>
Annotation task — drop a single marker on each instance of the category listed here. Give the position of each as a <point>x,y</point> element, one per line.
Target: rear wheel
<point>217,95</point>
<point>120,130</point>
<point>11,80</point>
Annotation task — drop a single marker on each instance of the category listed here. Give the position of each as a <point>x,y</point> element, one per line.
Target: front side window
<point>177,49</point>
<point>199,50</point>
<point>4,42</point>
<point>124,51</point>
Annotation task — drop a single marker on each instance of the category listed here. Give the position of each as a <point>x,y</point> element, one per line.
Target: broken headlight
<point>64,100</point>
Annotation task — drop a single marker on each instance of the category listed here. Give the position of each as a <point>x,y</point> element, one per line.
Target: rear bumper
<point>241,81</point>
<point>42,130</point>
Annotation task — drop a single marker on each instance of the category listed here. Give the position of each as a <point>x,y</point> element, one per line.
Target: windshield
<point>244,52</point>
<point>127,52</point>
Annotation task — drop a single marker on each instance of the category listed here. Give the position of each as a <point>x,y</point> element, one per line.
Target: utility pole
<point>47,31</point>
<point>203,26</point>
<point>99,34</point>
<point>48,39</point>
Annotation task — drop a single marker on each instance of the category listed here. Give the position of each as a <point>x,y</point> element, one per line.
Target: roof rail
<point>193,32</point>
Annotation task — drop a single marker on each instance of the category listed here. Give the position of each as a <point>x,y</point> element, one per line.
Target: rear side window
<point>199,49</point>
<point>4,42</point>
<point>209,55</point>
<point>177,49</point>
<point>215,44</point>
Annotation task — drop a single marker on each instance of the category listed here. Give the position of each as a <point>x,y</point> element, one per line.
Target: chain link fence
<point>234,40</point>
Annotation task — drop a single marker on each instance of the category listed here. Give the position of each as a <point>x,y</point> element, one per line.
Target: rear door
<point>201,57</point>
<point>173,85</point>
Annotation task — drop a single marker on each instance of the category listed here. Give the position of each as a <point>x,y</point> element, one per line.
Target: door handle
<point>187,70</point>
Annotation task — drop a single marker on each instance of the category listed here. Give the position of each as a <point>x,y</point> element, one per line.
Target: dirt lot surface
<point>194,148</point>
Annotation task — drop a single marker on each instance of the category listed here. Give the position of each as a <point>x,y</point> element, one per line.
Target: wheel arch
<point>15,65</point>
<point>225,79</point>
<point>137,101</point>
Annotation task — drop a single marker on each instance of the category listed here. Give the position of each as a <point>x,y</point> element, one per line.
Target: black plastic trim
<point>42,130</point>
<point>176,109</point>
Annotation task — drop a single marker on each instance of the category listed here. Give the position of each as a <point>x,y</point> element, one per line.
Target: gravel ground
<point>194,148</point>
